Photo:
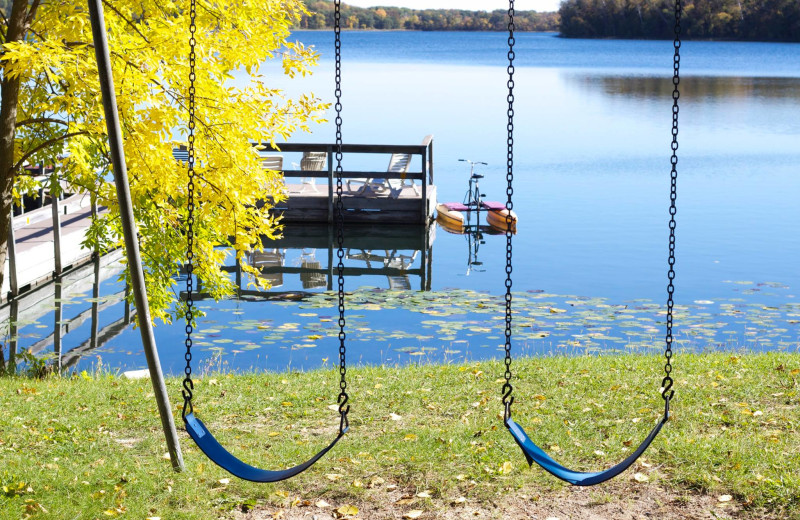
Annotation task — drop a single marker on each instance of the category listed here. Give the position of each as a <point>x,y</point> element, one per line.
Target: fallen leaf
<point>424,494</point>
<point>321,504</point>
<point>506,467</point>
<point>413,514</point>
<point>410,437</point>
<point>224,481</point>
<point>640,477</point>
<point>393,416</point>
<point>459,500</point>
<point>724,498</point>
<point>347,510</point>
<point>333,476</point>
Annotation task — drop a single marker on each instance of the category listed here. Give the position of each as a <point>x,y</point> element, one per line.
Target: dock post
<point>127,311</point>
<point>424,201</point>
<point>423,263</point>
<point>330,257</point>
<point>13,281</point>
<point>330,184</point>
<point>95,304</point>
<point>58,318</point>
<point>58,267</point>
<point>238,278</point>
<point>100,40</point>
<point>96,287</point>
<point>10,366</point>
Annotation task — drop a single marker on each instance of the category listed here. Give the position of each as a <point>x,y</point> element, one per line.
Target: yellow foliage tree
<point>51,110</point>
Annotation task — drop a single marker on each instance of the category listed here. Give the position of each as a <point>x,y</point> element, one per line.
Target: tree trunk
<point>18,24</point>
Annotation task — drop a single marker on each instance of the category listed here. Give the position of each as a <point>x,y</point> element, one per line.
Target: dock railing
<point>425,173</point>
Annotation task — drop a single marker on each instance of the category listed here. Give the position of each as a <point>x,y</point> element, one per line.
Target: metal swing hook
<point>508,400</point>
<point>188,407</point>
<point>667,393</point>
<point>344,409</point>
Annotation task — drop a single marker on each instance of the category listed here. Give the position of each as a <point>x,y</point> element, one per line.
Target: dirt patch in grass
<point>616,501</point>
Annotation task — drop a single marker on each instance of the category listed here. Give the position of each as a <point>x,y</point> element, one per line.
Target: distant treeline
<point>762,20</point>
<point>395,18</point>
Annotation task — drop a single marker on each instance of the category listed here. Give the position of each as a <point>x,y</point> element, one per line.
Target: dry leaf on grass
<point>346,510</point>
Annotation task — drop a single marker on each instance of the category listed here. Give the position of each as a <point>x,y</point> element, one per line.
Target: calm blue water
<point>592,179</point>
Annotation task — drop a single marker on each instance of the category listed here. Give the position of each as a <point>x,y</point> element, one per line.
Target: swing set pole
<point>129,229</point>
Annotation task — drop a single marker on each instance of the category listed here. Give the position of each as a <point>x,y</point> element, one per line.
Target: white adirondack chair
<point>311,161</point>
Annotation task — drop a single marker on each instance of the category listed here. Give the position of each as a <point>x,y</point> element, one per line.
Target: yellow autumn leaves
<point>236,105</point>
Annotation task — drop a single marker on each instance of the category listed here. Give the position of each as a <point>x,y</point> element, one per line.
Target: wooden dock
<point>414,202</point>
<point>306,205</point>
<point>45,242</point>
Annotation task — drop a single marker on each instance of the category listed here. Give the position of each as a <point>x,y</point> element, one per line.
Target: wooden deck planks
<point>306,205</point>
<point>34,242</point>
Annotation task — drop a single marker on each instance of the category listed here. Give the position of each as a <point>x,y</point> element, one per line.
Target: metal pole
<point>129,229</point>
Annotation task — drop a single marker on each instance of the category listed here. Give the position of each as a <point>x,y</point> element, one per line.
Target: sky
<point>471,5</point>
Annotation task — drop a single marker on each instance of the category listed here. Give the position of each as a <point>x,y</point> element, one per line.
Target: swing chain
<point>188,384</point>
<point>344,408</point>
<point>666,385</point>
<point>508,399</point>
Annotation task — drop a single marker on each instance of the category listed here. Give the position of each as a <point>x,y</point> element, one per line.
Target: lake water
<point>592,191</point>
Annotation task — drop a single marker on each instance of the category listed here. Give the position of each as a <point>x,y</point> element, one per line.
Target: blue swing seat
<point>224,459</point>
<point>535,454</point>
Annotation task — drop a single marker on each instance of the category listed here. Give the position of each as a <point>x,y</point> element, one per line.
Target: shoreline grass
<point>91,446</point>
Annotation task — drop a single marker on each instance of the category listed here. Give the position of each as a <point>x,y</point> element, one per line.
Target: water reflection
<point>79,324</point>
<point>693,88</point>
<point>305,259</point>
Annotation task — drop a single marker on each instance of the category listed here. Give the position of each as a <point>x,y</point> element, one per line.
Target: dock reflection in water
<point>306,259</point>
<point>70,323</point>
<point>82,320</point>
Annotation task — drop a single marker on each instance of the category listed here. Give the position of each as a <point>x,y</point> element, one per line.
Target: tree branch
<point>5,24</point>
<point>49,142</point>
<point>129,22</point>
<point>37,120</point>
<point>32,12</point>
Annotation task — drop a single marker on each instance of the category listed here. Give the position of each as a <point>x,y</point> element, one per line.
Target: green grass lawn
<point>91,446</point>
